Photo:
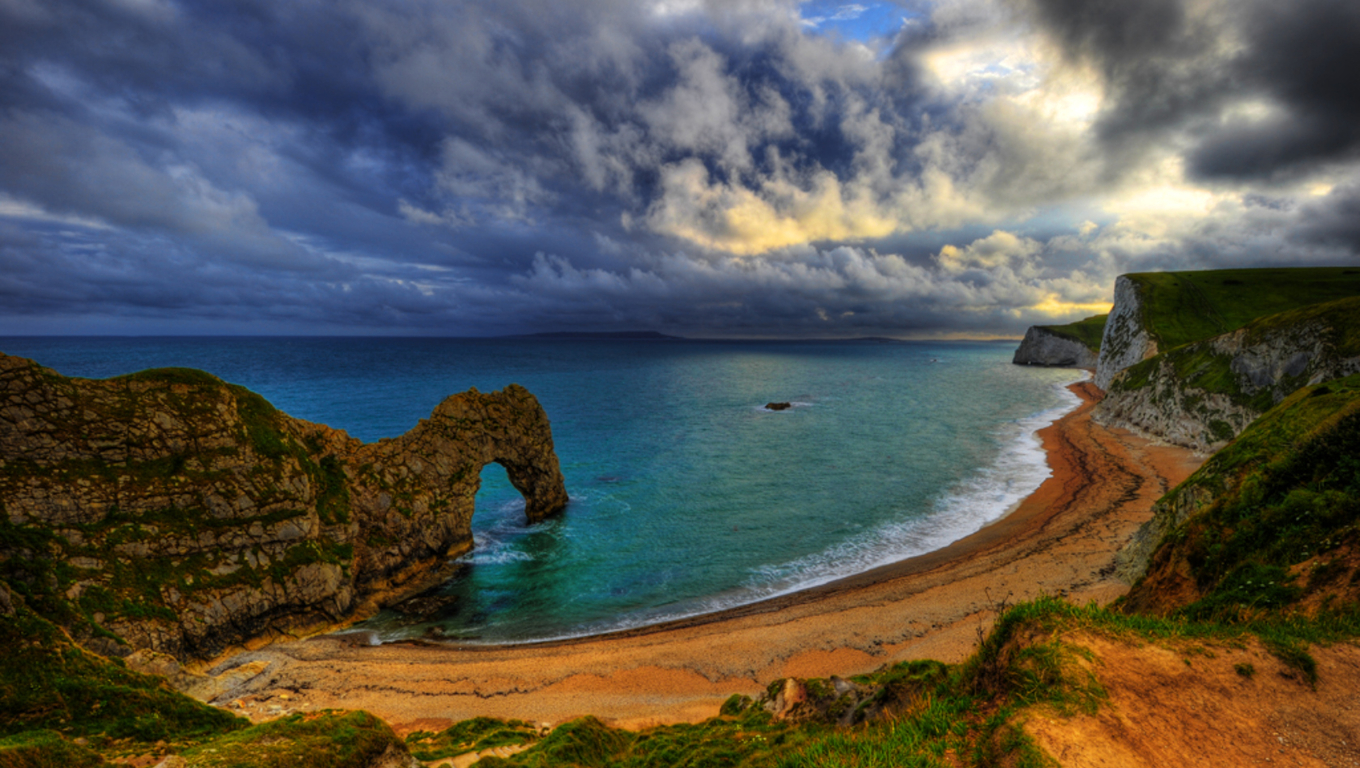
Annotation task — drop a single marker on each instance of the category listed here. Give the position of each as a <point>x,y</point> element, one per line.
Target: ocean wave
<point>987,495</point>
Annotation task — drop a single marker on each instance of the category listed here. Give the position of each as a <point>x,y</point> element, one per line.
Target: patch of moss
<point>472,735</point>
<point>183,376</point>
<point>332,490</point>
<point>261,421</point>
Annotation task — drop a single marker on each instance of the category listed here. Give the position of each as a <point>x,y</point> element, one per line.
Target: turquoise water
<point>687,496</point>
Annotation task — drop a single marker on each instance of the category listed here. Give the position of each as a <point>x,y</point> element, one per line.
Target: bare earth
<point>1060,540</point>
<point>1209,706</point>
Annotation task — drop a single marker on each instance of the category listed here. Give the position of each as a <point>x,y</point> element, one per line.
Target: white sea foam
<point>987,495</point>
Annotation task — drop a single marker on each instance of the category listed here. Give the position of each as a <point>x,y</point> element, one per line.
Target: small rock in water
<point>778,406</point>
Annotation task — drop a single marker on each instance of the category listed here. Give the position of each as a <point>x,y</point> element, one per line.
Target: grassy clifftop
<point>1182,307</point>
<point>1086,332</point>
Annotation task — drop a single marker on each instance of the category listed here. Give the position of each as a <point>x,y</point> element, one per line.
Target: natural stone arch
<point>438,464</point>
<point>247,523</point>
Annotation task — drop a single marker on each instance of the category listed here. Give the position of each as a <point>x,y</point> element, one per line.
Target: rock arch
<point>193,516</point>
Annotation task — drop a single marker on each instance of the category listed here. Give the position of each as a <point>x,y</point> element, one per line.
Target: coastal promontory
<point>171,511</point>
<point>1075,345</point>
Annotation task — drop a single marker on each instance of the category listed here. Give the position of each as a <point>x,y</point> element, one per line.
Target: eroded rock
<point>192,516</point>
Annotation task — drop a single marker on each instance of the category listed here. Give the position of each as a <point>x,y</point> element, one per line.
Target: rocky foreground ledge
<point>171,511</point>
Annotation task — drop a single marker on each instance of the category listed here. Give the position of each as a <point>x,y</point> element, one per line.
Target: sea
<point>688,496</point>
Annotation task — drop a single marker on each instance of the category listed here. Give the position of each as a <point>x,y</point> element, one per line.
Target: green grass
<point>472,735</point>
<point>319,740</point>
<point>1087,332</point>
<point>181,376</point>
<point>1285,492</point>
<point>1182,307</point>
<point>46,749</point>
<point>47,683</point>
<point>1198,366</point>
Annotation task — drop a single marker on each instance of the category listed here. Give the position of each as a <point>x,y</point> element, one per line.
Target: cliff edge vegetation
<point>1271,522</point>
<point>1201,393</point>
<point>170,511</point>
<point>1158,311</point>
<point>1075,345</point>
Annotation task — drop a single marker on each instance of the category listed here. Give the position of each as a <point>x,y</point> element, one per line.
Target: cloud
<point>716,167</point>
<point>847,12</point>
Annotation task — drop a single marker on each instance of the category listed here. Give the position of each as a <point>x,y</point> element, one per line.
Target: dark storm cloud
<point>1304,56</point>
<point>1171,65</point>
<point>1333,220</point>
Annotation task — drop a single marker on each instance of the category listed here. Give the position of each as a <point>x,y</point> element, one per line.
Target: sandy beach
<point>1060,540</point>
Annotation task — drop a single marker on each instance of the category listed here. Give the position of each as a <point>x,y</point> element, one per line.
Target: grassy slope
<point>1087,332</point>
<point>1282,532</point>
<point>1181,307</point>
<point>52,693</point>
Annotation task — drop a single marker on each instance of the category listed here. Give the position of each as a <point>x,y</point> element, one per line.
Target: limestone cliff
<point>169,510</point>
<point>1048,345</point>
<point>1159,311</point>
<point>1126,340</point>
<point>1201,395</point>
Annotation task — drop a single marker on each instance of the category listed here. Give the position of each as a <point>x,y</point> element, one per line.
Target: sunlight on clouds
<point>665,8</point>
<point>995,250</point>
<point>1255,110</point>
<point>971,64</point>
<point>1164,200</point>
<point>737,220</point>
<point>1054,306</point>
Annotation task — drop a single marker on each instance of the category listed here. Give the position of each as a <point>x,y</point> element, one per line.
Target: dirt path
<point>1210,705</point>
<point>1060,540</point>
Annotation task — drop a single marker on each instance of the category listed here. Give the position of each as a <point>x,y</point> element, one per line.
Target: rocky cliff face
<point>1126,341</point>
<point>171,511</point>
<point>1201,395</point>
<point>1044,347</point>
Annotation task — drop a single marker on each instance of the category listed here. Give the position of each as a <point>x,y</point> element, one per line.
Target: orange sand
<point>1060,540</point>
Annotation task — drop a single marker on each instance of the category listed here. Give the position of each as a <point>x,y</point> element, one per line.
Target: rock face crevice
<point>171,511</point>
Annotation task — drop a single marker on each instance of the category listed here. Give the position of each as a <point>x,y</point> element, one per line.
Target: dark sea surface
<point>687,496</point>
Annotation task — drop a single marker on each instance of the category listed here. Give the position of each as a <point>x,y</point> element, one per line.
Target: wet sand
<point>1060,540</point>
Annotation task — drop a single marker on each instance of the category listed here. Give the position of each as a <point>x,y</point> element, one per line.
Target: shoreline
<point>791,594</point>
<point>1061,539</point>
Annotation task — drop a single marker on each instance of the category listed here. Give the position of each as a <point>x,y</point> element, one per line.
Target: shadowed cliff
<point>172,511</point>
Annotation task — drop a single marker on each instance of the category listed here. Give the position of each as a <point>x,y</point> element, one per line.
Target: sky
<point>734,168</point>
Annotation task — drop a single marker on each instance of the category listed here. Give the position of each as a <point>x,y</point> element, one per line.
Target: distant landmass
<point>655,336</point>
<point>641,335</point>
